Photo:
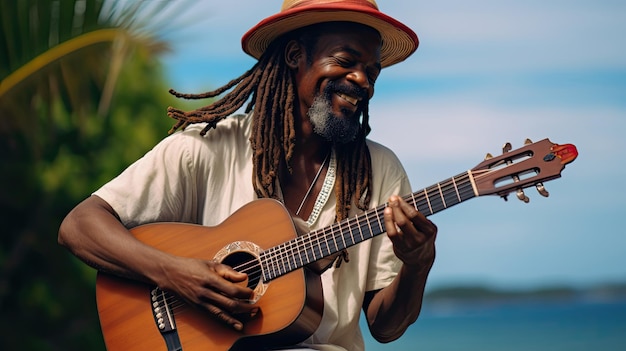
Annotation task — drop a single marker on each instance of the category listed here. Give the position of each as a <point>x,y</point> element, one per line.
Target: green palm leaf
<point>68,49</point>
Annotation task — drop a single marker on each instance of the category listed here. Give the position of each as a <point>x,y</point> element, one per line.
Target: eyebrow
<point>358,54</point>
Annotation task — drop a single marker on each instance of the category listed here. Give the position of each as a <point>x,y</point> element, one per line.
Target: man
<point>301,141</point>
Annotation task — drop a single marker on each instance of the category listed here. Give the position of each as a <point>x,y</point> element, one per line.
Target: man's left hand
<point>412,234</point>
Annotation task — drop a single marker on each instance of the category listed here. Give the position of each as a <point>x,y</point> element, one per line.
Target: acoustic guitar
<point>260,240</point>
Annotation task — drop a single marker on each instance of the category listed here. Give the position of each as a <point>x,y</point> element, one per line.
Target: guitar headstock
<point>514,170</point>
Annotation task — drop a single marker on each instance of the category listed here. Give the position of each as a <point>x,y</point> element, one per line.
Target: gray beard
<point>336,129</point>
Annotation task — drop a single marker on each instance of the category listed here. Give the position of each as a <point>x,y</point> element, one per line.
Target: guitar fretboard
<point>308,248</point>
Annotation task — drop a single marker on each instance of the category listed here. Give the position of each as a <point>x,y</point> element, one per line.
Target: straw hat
<point>398,40</point>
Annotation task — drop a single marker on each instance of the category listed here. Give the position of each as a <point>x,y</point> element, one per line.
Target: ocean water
<point>534,325</point>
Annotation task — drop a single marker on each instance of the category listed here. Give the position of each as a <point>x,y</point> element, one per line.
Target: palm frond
<point>70,52</point>
<point>39,36</point>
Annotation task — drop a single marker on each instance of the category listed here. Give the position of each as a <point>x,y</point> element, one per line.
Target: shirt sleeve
<point>157,187</point>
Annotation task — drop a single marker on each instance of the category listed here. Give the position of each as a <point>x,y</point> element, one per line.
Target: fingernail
<point>254,312</point>
<point>238,326</point>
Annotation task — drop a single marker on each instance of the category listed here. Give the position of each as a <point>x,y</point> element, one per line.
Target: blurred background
<point>83,93</point>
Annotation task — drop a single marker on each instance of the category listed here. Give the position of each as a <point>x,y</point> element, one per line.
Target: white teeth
<point>349,99</point>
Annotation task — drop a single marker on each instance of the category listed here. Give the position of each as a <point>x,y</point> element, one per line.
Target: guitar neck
<point>321,243</point>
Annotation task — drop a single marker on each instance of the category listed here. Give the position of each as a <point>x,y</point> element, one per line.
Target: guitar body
<point>290,308</point>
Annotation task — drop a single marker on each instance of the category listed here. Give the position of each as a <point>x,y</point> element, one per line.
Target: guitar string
<point>361,220</point>
<point>315,237</point>
<point>308,241</point>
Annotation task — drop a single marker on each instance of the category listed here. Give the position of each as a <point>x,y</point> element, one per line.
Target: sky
<point>486,72</point>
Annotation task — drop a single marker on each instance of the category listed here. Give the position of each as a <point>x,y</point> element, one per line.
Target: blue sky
<point>486,72</point>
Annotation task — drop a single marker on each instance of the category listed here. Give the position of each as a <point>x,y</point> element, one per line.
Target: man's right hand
<point>215,287</point>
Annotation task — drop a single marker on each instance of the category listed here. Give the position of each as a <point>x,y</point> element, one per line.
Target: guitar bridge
<point>161,310</point>
<point>162,302</point>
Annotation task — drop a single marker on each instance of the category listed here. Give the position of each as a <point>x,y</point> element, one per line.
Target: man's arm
<point>391,310</point>
<point>93,233</point>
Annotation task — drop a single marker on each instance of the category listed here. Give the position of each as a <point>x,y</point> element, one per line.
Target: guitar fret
<point>449,193</point>
<point>272,259</point>
<point>269,262</point>
<point>456,189</point>
<point>351,234</point>
<point>369,225</point>
<point>358,225</point>
<point>343,240</point>
<point>350,230</point>
<point>443,199</point>
<point>279,260</point>
<point>284,257</point>
<point>435,200</point>
<point>299,252</point>
<point>381,226</point>
<point>467,190</point>
<point>413,200</point>
<point>276,261</point>
<point>324,244</point>
<point>334,241</point>
<point>422,205</point>
<point>308,251</point>
<point>291,260</point>
<point>430,208</point>
<point>317,248</point>
<point>277,255</point>
<point>312,247</point>
<point>362,225</point>
<point>346,234</point>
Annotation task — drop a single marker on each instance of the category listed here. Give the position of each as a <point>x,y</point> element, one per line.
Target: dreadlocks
<point>269,85</point>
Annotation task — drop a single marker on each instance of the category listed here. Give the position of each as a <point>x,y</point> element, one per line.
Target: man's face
<point>336,85</point>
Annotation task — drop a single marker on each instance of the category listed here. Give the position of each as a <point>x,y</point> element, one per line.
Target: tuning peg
<point>488,156</point>
<point>506,148</point>
<point>528,141</point>
<point>522,196</point>
<point>542,190</point>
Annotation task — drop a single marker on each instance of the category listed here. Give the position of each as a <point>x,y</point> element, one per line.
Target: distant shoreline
<point>607,291</point>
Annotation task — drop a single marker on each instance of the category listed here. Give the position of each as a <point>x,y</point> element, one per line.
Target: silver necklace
<point>319,171</point>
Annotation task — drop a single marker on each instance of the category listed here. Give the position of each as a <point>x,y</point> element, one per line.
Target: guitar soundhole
<point>247,263</point>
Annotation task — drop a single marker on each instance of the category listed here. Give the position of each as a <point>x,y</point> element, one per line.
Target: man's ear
<point>294,52</point>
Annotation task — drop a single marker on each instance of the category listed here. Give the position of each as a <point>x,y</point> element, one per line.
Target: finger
<point>224,316</point>
<point>401,217</point>
<point>413,229</point>
<point>417,219</point>
<point>226,303</point>
<point>230,284</point>
<point>401,212</point>
<point>396,225</point>
<point>230,273</point>
<point>389,221</point>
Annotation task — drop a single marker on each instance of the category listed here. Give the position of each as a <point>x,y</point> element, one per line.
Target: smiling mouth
<point>353,100</point>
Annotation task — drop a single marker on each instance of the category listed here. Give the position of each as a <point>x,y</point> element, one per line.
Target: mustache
<point>346,88</point>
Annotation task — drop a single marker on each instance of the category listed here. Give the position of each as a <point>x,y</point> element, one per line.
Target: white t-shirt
<point>203,180</point>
